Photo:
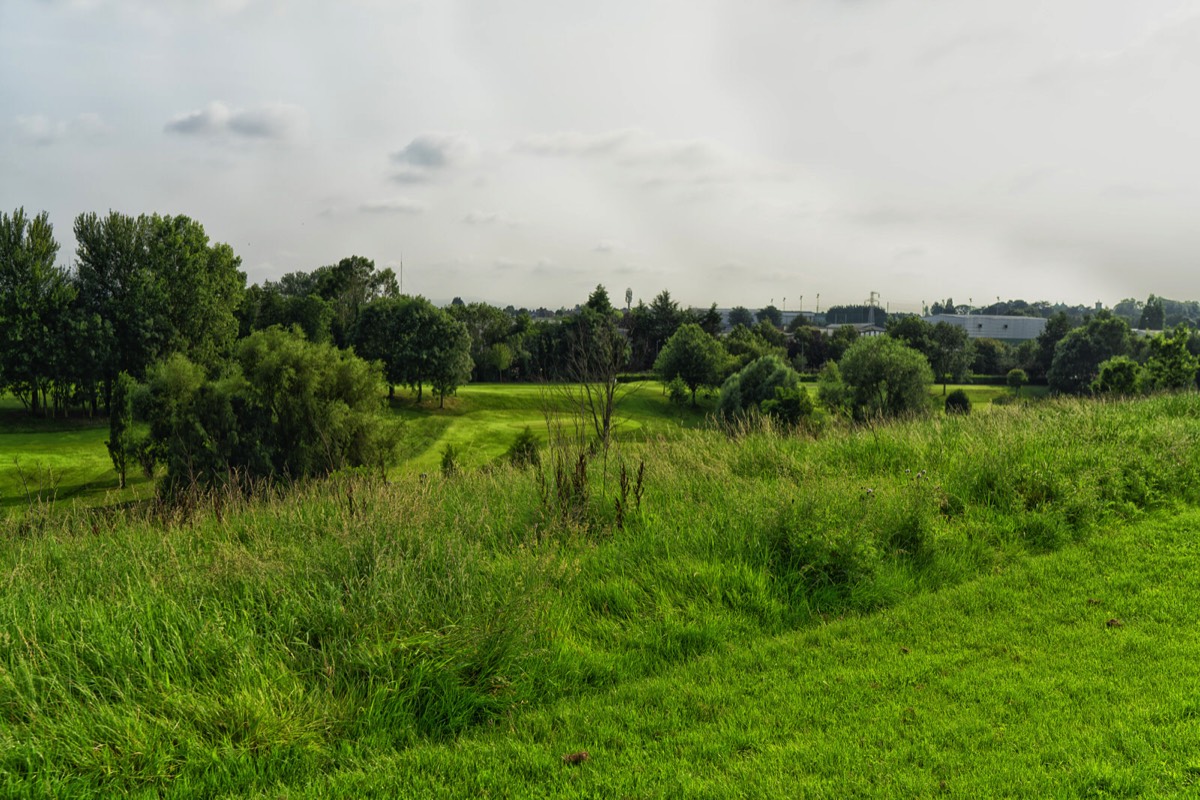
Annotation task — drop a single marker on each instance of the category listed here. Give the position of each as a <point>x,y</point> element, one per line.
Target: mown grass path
<point>1075,674</point>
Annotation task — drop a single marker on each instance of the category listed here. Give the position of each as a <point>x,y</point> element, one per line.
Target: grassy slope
<point>347,627</point>
<point>1012,685</point>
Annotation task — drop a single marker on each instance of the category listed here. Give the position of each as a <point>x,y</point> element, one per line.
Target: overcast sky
<point>740,152</point>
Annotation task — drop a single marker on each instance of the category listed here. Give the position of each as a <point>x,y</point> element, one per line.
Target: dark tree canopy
<point>1079,354</point>
<point>36,323</point>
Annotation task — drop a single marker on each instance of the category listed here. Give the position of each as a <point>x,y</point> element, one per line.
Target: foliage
<point>771,315</point>
<point>1119,375</point>
<point>1017,378</point>
<point>958,402</point>
<point>286,409</point>
<point>740,315</point>
<point>693,356</point>
<point>746,345</point>
<point>678,392</point>
<point>1170,365</point>
<point>757,382</point>
<point>1047,341</point>
<point>992,357</point>
<point>37,333</point>
<point>450,467</point>
<point>842,339</point>
<point>832,391</point>
<point>524,451</point>
<point>950,353</point>
<point>122,446</point>
<point>791,405</point>
<point>886,377</point>
<point>1078,355</point>
<point>416,342</point>
<point>1154,315</point>
<point>155,286</point>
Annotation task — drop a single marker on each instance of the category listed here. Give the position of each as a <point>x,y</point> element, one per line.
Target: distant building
<point>1011,330</point>
<point>863,328</point>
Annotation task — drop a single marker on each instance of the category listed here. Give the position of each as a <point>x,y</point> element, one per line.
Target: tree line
<point>148,289</point>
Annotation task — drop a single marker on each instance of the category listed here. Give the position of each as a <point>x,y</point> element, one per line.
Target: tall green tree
<point>740,315</point>
<point>35,311</point>
<point>348,286</point>
<point>1154,315</point>
<point>121,446</point>
<point>451,363</point>
<point>770,314</point>
<point>695,357</point>
<point>950,353</point>
<point>1057,327</point>
<point>156,285</point>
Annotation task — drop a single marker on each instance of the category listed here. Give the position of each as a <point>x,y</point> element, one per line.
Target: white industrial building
<point>1012,330</point>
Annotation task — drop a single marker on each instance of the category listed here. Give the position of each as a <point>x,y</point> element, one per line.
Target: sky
<point>742,152</point>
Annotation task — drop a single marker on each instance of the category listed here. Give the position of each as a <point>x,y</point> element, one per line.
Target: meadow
<point>996,604</point>
<point>66,459</point>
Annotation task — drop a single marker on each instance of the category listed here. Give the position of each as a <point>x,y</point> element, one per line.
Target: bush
<point>791,405</point>
<point>524,452</point>
<point>886,377</point>
<point>450,461</point>
<point>757,383</point>
<point>285,409</point>
<point>957,402</point>
<point>677,391</point>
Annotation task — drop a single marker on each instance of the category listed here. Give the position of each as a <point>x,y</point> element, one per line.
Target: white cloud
<point>273,121</point>
<point>40,130</point>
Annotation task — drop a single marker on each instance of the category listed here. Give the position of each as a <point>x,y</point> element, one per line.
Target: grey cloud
<point>435,151</point>
<point>629,147</point>
<point>277,121</point>
<point>410,175</point>
<point>481,217</point>
<point>401,206</point>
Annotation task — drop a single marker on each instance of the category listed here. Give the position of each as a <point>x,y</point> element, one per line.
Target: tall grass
<point>282,637</point>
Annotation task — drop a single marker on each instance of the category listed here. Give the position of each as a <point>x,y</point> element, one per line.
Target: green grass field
<point>67,459</point>
<point>911,609</point>
<point>1011,685</point>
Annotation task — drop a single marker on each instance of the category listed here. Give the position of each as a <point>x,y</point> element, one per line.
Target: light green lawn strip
<point>482,420</point>
<point>1012,685</point>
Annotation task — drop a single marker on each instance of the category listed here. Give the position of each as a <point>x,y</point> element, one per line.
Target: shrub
<point>790,405</point>
<point>677,391</point>
<point>747,390</point>
<point>957,402</point>
<point>886,377</point>
<point>286,408</point>
<point>524,451</point>
<point>450,461</point>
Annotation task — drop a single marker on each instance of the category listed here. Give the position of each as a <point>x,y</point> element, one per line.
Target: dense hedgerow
<point>232,652</point>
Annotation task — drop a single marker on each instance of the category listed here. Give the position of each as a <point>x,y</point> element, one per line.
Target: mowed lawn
<point>57,459</point>
<point>482,420</point>
<point>1075,674</point>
